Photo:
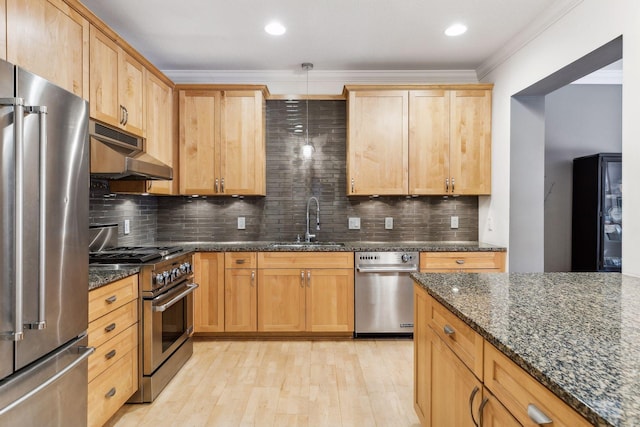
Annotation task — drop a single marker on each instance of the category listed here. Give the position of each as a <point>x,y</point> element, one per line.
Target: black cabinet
<point>596,238</point>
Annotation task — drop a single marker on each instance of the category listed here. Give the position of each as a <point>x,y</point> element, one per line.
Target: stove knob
<point>187,267</point>
<point>175,273</point>
<point>159,278</point>
<point>405,258</point>
<point>167,277</point>
<point>183,268</point>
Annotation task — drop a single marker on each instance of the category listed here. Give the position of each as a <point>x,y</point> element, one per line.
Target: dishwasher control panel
<point>387,258</point>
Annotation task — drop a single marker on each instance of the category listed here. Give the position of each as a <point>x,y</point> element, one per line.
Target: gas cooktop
<point>132,254</point>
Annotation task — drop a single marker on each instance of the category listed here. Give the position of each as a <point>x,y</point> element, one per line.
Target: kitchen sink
<point>307,245</point>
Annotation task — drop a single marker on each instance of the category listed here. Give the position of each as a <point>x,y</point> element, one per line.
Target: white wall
<point>588,26</point>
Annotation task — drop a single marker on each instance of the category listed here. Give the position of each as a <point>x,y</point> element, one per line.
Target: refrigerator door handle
<point>41,322</point>
<point>18,135</point>
<point>85,353</point>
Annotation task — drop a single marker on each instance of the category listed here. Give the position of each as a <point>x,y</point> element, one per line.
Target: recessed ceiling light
<point>456,30</point>
<point>275,29</point>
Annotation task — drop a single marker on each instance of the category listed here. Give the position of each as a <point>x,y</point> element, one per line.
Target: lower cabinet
<point>113,331</point>
<point>451,390</point>
<point>240,299</point>
<point>208,298</point>
<point>465,262</point>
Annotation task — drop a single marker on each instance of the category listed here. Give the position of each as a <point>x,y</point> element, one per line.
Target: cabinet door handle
<point>222,185</point>
<point>481,410</point>
<point>110,327</point>
<point>537,416</point>
<point>253,278</point>
<point>149,184</point>
<point>126,116</point>
<point>460,261</point>
<point>111,299</point>
<point>302,279</point>
<point>111,393</point>
<point>446,185</point>
<point>215,186</point>
<point>353,185</point>
<point>448,330</point>
<point>111,354</point>
<point>471,399</point>
<point>453,185</point>
<point>122,114</point>
<point>309,278</point>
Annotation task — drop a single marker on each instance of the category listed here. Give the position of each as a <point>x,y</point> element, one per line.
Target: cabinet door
<point>429,142</point>
<point>199,134</point>
<point>377,144</point>
<point>281,300</point>
<point>421,402</point>
<point>131,85</point>
<point>240,299</point>
<point>160,142</point>
<point>242,146</point>
<point>450,384</point>
<point>49,38</point>
<point>103,79</point>
<point>470,150</point>
<point>209,297</point>
<point>329,296</point>
<point>494,414</point>
<point>3,29</point>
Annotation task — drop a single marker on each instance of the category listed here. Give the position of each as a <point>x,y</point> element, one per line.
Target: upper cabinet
<point>222,142</point>
<point>117,83</point>
<point>49,38</point>
<point>427,140</point>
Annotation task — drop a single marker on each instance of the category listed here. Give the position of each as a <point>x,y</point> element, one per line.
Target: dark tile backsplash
<point>291,180</point>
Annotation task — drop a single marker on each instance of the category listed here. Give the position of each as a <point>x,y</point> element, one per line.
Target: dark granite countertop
<point>576,333</point>
<point>264,246</point>
<point>103,275</point>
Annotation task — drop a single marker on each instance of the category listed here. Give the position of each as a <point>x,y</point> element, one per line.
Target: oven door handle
<point>190,288</point>
<point>412,269</point>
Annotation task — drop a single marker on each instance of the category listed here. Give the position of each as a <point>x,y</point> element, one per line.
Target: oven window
<point>174,323</point>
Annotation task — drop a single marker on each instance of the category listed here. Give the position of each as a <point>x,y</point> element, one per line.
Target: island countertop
<point>576,333</point>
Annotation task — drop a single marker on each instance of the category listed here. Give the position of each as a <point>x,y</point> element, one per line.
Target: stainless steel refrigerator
<point>44,193</point>
<point>596,238</point>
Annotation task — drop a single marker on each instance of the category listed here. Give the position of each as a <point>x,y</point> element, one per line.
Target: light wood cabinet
<point>113,331</point>
<point>222,142</point>
<point>377,143</point>
<point>240,292</point>
<point>160,141</point>
<point>208,268</point>
<point>48,38</point>
<point>117,85</point>
<point>467,262</point>
<point>305,292</point>
<point>419,140</point>
<point>3,29</point>
<point>452,362</point>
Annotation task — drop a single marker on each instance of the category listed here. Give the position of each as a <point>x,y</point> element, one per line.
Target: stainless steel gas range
<point>166,320</point>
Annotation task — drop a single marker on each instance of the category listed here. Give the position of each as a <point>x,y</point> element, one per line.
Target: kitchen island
<point>578,334</point>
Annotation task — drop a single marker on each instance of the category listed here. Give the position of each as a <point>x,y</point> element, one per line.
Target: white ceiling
<point>332,34</point>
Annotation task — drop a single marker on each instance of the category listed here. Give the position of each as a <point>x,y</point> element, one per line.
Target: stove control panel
<point>173,273</point>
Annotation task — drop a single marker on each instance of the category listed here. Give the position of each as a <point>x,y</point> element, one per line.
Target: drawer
<point>112,388</point>
<point>110,325</point>
<point>240,260</point>
<point>108,353</point>
<point>112,296</point>
<point>305,260</point>
<point>466,343</point>
<point>462,261</point>
<point>517,390</point>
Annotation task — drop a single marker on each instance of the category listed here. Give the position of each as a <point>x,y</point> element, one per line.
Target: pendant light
<point>307,148</point>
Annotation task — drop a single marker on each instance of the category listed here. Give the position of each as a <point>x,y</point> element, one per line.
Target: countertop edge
<point>99,277</point>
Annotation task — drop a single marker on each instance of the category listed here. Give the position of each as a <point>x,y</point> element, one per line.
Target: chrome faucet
<point>308,236</point>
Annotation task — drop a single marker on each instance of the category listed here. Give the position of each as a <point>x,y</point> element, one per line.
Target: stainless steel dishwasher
<point>384,293</point>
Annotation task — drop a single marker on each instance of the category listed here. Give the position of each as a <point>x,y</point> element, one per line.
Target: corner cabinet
<point>49,38</point>
<point>222,141</point>
<point>419,140</point>
<point>117,83</point>
<point>461,379</point>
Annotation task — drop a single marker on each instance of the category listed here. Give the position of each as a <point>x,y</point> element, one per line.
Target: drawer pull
<point>240,261</point>
<point>111,327</point>
<point>481,410</point>
<point>448,330</point>
<point>110,354</point>
<point>537,416</point>
<point>471,398</point>
<point>111,393</point>
<point>111,299</point>
<point>460,261</point>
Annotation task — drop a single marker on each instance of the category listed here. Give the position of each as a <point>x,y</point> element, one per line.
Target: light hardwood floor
<point>286,383</point>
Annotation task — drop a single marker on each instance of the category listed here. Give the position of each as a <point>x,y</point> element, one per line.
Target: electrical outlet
<point>127,226</point>
<point>354,223</point>
<point>388,223</point>
<point>241,223</point>
<point>454,222</point>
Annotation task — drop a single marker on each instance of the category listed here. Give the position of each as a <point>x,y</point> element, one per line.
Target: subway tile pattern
<point>291,180</point>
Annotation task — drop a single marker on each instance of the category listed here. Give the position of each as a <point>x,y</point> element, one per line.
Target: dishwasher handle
<point>408,269</point>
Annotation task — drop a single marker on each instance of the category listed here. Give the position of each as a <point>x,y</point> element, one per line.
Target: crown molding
<point>546,19</point>
<point>601,77</point>
<point>325,82</point>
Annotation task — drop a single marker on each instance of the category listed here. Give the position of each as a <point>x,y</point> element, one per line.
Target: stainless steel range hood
<point>119,155</point>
